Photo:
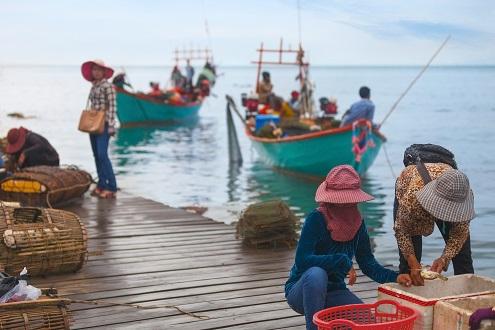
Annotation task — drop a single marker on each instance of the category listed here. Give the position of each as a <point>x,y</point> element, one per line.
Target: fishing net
<point>45,185</point>
<point>268,224</point>
<point>46,241</point>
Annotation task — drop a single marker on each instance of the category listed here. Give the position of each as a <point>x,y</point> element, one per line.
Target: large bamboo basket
<point>44,313</point>
<point>45,186</point>
<point>46,241</point>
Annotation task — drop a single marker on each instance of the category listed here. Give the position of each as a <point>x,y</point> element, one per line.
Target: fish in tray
<point>427,274</point>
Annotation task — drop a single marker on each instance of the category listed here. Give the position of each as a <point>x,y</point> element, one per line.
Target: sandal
<point>96,192</point>
<point>107,194</point>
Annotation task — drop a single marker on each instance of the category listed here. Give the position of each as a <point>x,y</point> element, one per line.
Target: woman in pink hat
<point>102,98</point>
<point>332,235</point>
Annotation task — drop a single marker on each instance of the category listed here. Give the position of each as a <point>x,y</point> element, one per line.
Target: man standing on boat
<point>189,74</point>
<point>265,87</point>
<point>363,109</point>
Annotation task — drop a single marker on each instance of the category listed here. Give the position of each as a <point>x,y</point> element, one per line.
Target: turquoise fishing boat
<point>316,153</point>
<point>182,103</point>
<point>315,150</point>
<point>135,109</point>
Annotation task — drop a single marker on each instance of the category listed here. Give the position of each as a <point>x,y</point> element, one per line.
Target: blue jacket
<point>317,248</point>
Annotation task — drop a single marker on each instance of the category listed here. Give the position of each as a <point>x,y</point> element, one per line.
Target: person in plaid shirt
<point>102,98</point>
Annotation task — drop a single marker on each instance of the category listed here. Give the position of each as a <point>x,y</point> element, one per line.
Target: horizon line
<point>251,65</point>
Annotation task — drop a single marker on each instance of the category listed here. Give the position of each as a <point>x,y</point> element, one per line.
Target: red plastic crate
<point>367,317</point>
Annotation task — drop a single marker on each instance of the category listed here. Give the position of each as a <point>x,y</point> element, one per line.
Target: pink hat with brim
<point>86,68</point>
<point>342,186</point>
<point>16,138</point>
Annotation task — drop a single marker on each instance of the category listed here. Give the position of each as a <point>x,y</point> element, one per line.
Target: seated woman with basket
<point>332,235</point>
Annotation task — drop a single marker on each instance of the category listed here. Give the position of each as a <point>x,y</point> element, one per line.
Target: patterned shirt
<point>413,220</point>
<point>102,97</point>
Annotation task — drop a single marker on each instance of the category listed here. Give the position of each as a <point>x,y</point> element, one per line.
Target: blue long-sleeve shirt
<point>363,109</point>
<point>317,248</point>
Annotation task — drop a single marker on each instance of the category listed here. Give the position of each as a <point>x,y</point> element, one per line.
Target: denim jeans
<point>309,295</point>
<point>99,144</point>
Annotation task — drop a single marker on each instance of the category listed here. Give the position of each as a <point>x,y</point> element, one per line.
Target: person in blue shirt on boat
<point>363,109</point>
<point>332,235</point>
<point>189,74</point>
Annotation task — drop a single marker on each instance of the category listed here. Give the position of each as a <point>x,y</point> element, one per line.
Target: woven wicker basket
<point>44,313</point>
<point>46,241</point>
<point>45,185</point>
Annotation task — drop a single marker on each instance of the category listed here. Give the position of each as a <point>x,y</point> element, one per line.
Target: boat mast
<point>307,103</point>
<point>260,61</point>
<point>193,54</point>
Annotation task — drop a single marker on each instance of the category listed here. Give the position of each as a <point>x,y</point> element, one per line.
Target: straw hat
<point>16,138</point>
<point>86,68</point>
<point>449,197</point>
<point>342,186</point>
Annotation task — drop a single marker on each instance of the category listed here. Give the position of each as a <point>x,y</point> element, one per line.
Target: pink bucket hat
<point>342,186</point>
<point>86,68</point>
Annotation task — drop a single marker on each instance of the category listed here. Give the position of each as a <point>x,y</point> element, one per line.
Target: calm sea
<point>188,165</point>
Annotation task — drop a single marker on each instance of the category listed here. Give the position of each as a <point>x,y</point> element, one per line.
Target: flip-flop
<point>107,194</point>
<point>96,192</point>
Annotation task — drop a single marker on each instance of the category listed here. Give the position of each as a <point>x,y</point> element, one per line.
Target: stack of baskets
<point>268,224</point>
<point>45,186</point>
<point>46,241</point>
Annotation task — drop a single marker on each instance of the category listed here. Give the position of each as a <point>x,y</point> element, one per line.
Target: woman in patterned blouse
<point>447,201</point>
<point>102,98</point>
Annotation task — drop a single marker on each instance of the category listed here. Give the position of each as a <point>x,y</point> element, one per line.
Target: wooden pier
<point>185,271</point>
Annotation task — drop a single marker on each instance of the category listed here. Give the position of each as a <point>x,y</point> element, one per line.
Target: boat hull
<point>136,110</point>
<point>316,153</point>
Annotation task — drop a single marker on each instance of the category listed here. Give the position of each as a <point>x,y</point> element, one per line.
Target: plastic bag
<point>22,291</point>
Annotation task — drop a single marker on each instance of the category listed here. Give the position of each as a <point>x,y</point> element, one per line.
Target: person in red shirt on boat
<point>294,101</point>
<point>155,89</point>
<point>328,106</point>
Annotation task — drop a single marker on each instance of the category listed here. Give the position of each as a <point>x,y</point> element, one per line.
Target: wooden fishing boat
<point>181,105</point>
<point>316,153</point>
<point>312,152</point>
<point>134,109</point>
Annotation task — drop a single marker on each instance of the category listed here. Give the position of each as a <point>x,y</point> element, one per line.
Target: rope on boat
<point>389,162</point>
<point>394,106</point>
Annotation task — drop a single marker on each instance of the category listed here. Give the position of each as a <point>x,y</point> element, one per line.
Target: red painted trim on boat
<point>308,136</point>
<point>153,100</point>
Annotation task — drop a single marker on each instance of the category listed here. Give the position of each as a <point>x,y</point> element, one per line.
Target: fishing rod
<point>394,106</point>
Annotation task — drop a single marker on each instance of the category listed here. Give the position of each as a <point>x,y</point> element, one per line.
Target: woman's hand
<point>438,265</point>
<point>352,276</point>
<point>417,280</point>
<point>404,279</point>
<point>415,270</point>
<point>21,160</point>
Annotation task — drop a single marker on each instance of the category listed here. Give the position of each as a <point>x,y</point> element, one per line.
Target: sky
<point>333,32</point>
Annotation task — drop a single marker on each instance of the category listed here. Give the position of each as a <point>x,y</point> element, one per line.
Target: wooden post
<point>259,69</point>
